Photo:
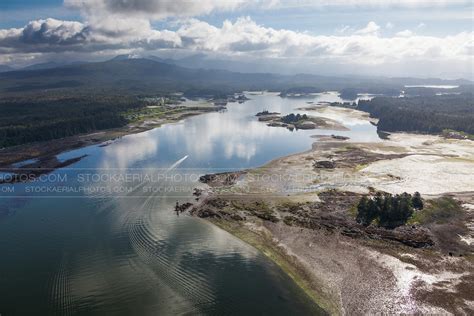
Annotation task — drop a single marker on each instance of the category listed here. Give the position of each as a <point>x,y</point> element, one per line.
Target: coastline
<point>289,264</point>
<point>419,268</point>
<point>287,245</point>
<point>45,152</point>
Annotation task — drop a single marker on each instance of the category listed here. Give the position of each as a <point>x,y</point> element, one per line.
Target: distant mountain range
<point>132,75</point>
<point>203,61</point>
<point>4,68</point>
<point>196,73</point>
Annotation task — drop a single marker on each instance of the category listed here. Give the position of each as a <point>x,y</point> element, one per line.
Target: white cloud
<point>371,29</point>
<point>161,9</point>
<point>343,29</point>
<point>405,33</point>
<point>53,35</point>
<point>42,35</point>
<point>368,3</point>
<point>156,9</point>
<point>242,38</point>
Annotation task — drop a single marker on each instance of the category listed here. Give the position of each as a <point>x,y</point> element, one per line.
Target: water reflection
<point>129,253</point>
<point>128,151</point>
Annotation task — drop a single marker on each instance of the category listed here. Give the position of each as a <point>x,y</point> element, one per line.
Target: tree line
<point>429,114</point>
<point>27,120</point>
<point>292,118</point>
<point>387,210</point>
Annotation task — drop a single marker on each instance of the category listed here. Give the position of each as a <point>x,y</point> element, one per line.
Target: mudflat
<point>300,210</point>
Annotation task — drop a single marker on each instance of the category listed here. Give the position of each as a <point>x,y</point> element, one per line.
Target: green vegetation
<point>292,118</point>
<point>51,116</point>
<point>299,90</point>
<point>27,119</point>
<point>417,201</point>
<point>429,114</point>
<point>266,112</point>
<point>437,211</point>
<point>387,210</point>
<point>47,104</point>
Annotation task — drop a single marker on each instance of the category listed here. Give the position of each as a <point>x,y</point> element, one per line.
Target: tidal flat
<point>127,250</point>
<point>301,213</point>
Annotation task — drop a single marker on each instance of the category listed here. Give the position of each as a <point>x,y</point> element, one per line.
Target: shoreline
<point>423,268</point>
<point>289,264</point>
<point>342,263</point>
<point>43,154</point>
<point>283,244</point>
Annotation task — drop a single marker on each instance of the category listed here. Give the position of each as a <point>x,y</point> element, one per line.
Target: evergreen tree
<point>417,201</point>
<point>391,211</point>
<point>362,211</point>
<point>372,212</point>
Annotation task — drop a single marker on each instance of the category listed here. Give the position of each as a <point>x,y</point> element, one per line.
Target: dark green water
<point>100,247</point>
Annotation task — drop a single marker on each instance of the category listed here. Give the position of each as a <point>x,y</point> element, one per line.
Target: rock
<point>417,238</point>
<point>180,208</point>
<point>197,192</point>
<point>218,203</point>
<point>237,217</point>
<point>338,137</point>
<point>208,213</point>
<point>267,216</point>
<point>226,178</point>
<point>324,164</point>
<point>277,124</point>
<point>306,125</point>
<point>267,118</point>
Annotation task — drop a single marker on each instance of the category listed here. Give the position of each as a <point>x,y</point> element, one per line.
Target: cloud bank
<point>242,36</point>
<point>156,9</point>
<point>118,27</point>
<point>165,8</point>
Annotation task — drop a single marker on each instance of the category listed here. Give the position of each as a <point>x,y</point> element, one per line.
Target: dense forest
<point>148,76</point>
<point>26,119</point>
<point>45,104</point>
<point>429,114</point>
<point>299,90</point>
<point>388,210</point>
<point>292,118</point>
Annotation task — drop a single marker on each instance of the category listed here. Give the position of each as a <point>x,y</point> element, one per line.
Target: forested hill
<point>430,114</point>
<point>135,76</point>
<point>44,104</point>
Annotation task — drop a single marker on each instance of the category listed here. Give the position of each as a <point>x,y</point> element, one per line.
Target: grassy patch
<point>439,210</point>
<point>353,211</point>
<point>259,209</point>
<point>139,115</point>
<point>346,148</point>
<point>361,166</point>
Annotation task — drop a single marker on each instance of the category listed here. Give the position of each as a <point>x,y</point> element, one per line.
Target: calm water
<point>111,244</point>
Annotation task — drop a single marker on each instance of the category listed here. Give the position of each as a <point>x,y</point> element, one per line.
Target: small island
<point>299,92</point>
<point>298,121</point>
<point>266,113</point>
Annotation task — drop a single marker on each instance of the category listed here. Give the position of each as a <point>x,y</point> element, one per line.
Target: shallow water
<point>88,240</point>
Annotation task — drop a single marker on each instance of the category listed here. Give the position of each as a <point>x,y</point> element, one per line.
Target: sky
<point>417,38</point>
